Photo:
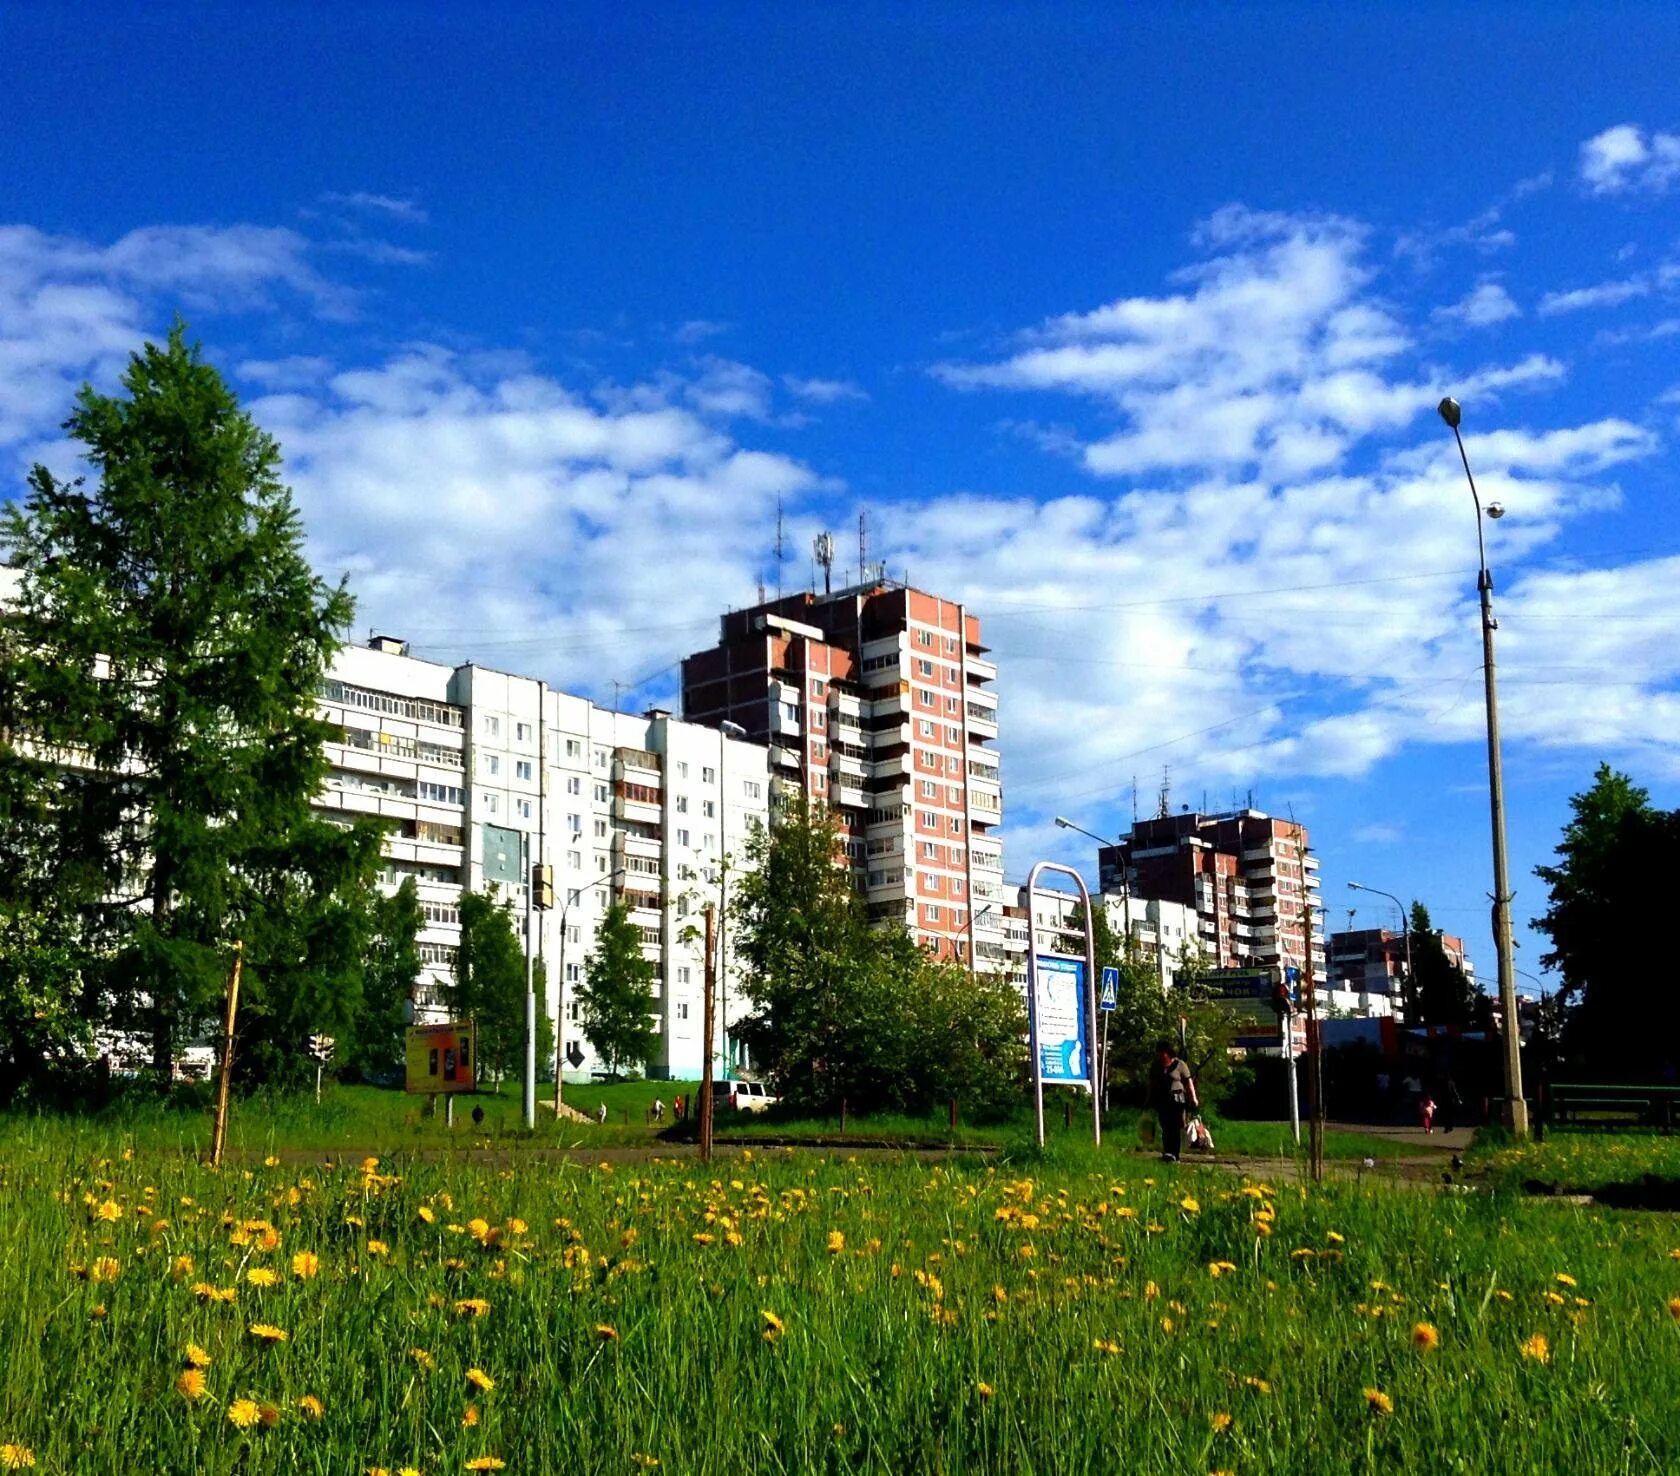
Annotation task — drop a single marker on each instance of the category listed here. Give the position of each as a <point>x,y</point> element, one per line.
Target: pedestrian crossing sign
<point>1110,997</point>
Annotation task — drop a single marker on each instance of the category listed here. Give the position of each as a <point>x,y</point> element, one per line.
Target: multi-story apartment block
<point>482,775</point>
<point>878,701</point>
<point>1162,931</point>
<point>1368,968</point>
<point>1249,877</point>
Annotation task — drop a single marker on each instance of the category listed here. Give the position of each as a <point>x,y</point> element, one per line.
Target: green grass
<point>621,1325</point>
<point>1577,1162</point>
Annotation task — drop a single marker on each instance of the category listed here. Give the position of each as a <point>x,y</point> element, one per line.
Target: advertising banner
<point>441,1058</point>
<point>1060,1007</point>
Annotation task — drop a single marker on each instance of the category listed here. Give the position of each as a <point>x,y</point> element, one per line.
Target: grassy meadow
<point>803,1311</point>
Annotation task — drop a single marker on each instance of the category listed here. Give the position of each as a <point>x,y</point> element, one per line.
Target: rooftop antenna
<point>1166,793</point>
<point>781,547</point>
<point>863,546</point>
<point>823,547</point>
<point>1134,801</point>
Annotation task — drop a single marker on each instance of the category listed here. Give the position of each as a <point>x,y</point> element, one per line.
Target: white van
<point>735,1095</point>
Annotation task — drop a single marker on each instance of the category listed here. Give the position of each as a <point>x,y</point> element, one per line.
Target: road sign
<point>1110,997</point>
<point>1061,1021</point>
<point>441,1058</point>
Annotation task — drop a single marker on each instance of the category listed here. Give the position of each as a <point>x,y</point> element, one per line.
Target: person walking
<point>1174,1089</point>
<point>1426,1110</point>
<point>659,1109</point>
<point>601,1114</point>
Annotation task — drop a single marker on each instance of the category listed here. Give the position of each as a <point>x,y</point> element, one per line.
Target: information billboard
<point>1062,1039</point>
<point>441,1058</point>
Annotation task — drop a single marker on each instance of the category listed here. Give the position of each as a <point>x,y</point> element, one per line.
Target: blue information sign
<point>1061,1021</point>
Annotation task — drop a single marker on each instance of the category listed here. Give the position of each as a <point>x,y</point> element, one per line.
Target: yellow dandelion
<point>1335,1237</point>
<point>15,1457</point>
<point>1259,1385</point>
<point>479,1229</point>
<point>427,1213</point>
<point>1537,1348</point>
<point>1503,1295</point>
<point>470,1417</point>
<point>306,1265</point>
<point>1189,1206</point>
<point>1103,1346</point>
<point>1379,1402</point>
<point>836,1242</point>
<point>773,1326</point>
<point>480,1380</point>
<point>271,1162</point>
<point>197,1357</point>
<point>606,1332</point>
<point>423,1358</point>
<point>703,1237</point>
<point>486,1463</point>
<point>1220,1420</point>
<point>311,1405</point>
<point>105,1268</point>
<point>244,1413</point>
<point>378,1248</point>
<point>643,1459</point>
<point>190,1384</point>
<point>261,1276</point>
<point>267,1332</point>
<point>1674,1308</point>
<point>983,1389</point>
<point>181,1268</point>
<point>1426,1337</point>
<point>110,1211</point>
<point>472,1307</point>
<point>1563,1278</point>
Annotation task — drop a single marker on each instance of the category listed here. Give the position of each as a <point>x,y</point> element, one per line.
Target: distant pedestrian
<point>1174,1090</point>
<point>1426,1110</point>
<point>601,1114</point>
<point>659,1109</point>
<point>1452,1105</point>
<point>680,1106</point>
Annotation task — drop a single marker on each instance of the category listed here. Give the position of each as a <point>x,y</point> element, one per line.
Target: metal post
<point>1287,1025</point>
<point>218,1131</point>
<point>1088,1004</point>
<point>1516,1109</point>
<point>706,1103</point>
<point>560,1012</point>
<point>530,1096</point>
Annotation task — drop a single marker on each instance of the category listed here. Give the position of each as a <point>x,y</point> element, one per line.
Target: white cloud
<point>1485,304</point>
<point>698,330</point>
<point>823,391</point>
<point>1604,294</point>
<point>392,207</point>
<point>1627,158</point>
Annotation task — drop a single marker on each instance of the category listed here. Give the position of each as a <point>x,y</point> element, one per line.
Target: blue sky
<point>1124,324</point>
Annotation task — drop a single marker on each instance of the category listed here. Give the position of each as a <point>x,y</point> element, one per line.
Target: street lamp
<point>1517,1108</point>
<point>1125,883</point>
<point>1405,923</point>
<point>560,1011</point>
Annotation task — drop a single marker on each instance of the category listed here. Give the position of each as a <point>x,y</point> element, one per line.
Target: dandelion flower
<point>1379,1402</point>
<point>427,1213</point>
<point>267,1332</point>
<point>1259,1385</point>
<point>244,1413</point>
<point>1335,1237</point>
<point>480,1380</point>
<point>644,1460</point>
<point>470,1417</point>
<point>311,1406</point>
<point>110,1212</point>
<point>306,1265</point>
<point>14,1457</point>
<point>1426,1337</point>
<point>1104,1346</point>
<point>1189,1206</point>
<point>983,1389</point>
<point>472,1307</point>
<point>378,1248</point>
<point>1220,1420</point>
<point>1563,1278</point>
<point>606,1332</point>
<point>423,1358</point>
<point>1674,1308</point>
<point>197,1357</point>
<point>261,1276</point>
<point>836,1242</point>
<point>105,1268</point>
<point>181,1268</point>
<point>1537,1348</point>
<point>190,1385</point>
<point>486,1463</point>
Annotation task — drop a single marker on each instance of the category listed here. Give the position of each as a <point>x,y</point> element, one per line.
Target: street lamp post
<point>560,1008</point>
<point>1405,923</point>
<point>1516,1107</point>
<point>1126,925</point>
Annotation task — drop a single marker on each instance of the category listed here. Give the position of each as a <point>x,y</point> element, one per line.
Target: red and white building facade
<point>878,701</point>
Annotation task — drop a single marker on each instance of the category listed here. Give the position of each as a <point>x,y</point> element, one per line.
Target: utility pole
<point>1315,1052</point>
<point>218,1131</point>
<point>706,1103</point>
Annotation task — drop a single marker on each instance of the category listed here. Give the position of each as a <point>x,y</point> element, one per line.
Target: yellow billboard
<point>441,1058</point>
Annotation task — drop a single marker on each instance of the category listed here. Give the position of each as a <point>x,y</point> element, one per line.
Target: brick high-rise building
<point>1249,877</point>
<point>1368,965</point>
<point>877,700</point>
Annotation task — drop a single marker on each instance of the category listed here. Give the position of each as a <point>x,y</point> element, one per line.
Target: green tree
<point>616,995</point>
<point>489,984</point>
<point>1440,992</point>
<point>1623,1014</point>
<point>376,1048</point>
<point>160,754</point>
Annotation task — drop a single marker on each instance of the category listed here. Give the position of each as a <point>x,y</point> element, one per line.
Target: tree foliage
<point>1439,992</point>
<point>846,1012</point>
<point>390,967</point>
<point>616,995</point>
<point>1624,1014</point>
<point>489,983</point>
<point>158,752</point>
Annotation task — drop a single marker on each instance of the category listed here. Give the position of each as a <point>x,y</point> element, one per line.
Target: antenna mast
<point>1166,793</point>
<point>863,547</point>
<point>823,547</point>
<point>781,547</point>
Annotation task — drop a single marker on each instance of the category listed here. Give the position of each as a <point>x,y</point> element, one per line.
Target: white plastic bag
<point>1196,1135</point>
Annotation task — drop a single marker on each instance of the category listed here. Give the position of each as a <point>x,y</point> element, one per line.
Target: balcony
<point>850,797</point>
<point>629,843</point>
<point>785,757</point>
<point>982,721</point>
<point>981,670</point>
<point>637,765</point>
<point>891,768</point>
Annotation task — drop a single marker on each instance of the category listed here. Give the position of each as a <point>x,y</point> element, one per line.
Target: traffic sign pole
<point>1110,998</point>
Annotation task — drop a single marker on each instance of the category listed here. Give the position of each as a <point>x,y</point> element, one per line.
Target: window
<point>682,1006</point>
<point>954,735</point>
<point>924,726</point>
<point>573,894</point>
<point>955,794</point>
<point>574,934</point>
<point>934,914</point>
<point>522,768</point>
<point>924,668</point>
<point>574,823</point>
<point>684,974</point>
<point>493,726</point>
<point>574,748</point>
<point>682,768</point>
<point>574,973</point>
<point>930,851</point>
<point>752,789</point>
<point>522,732</point>
<point>574,785</point>
<point>930,790</point>
<point>708,776</point>
<point>572,1008</point>
<point>602,794</point>
<point>924,697</point>
<point>491,804</point>
<point>708,808</point>
<point>682,838</point>
<point>524,808</point>
<point>682,804</point>
<point>924,637</point>
<point>492,764</point>
<point>930,821</point>
<point>602,758</point>
<point>957,888</point>
<point>600,830</point>
<point>708,842</point>
<point>574,859</point>
<point>790,713</point>
<point>951,704</point>
<point>441,794</point>
<point>819,718</point>
<point>956,825</point>
<point>818,686</point>
<point>601,865</point>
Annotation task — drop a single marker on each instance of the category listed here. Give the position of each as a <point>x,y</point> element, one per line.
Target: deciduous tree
<point>616,995</point>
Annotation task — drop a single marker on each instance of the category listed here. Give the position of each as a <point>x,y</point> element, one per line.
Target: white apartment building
<point>484,775</point>
<point>1162,930</point>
